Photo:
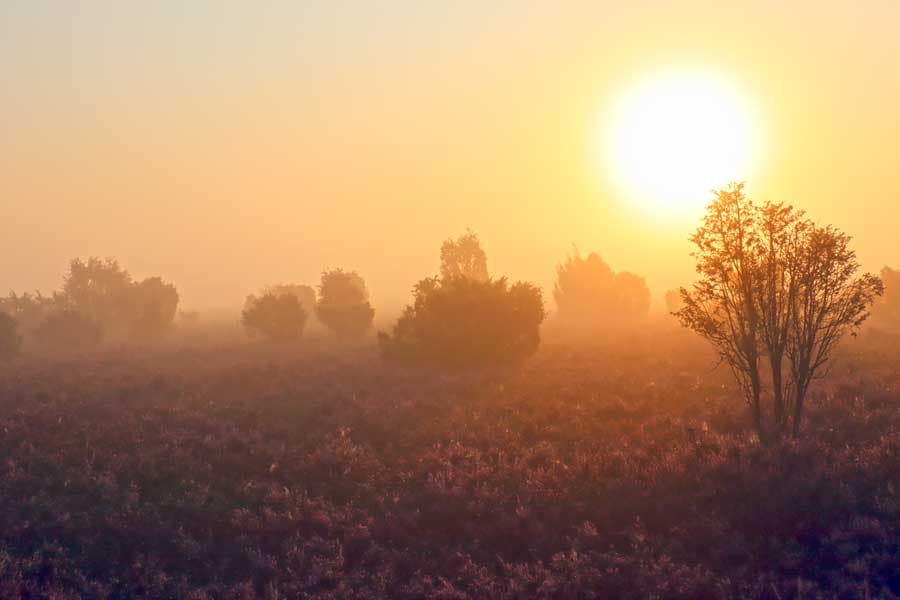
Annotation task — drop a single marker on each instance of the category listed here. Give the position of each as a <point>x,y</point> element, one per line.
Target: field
<point>622,469</point>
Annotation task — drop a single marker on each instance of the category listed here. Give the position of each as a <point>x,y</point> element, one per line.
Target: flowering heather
<point>617,472</point>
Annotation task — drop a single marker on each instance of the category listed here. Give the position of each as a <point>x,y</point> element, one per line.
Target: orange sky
<point>226,147</point>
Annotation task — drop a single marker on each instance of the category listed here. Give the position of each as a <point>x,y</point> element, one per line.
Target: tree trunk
<point>798,409</point>
<point>756,408</point>
<point>779,416</point>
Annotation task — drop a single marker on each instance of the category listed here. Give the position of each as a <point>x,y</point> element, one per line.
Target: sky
<point>227,145</point>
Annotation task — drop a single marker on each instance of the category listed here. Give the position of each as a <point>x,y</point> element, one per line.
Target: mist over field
<point>449,301</point>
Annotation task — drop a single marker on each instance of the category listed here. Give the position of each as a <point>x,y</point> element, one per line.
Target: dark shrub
<point>154,304</point>
<point>304,293</point>
<point>275,316</point>
<point>69,331</point>
<point>462,322</point>
<point>10,340</point>
<point>343,304</point>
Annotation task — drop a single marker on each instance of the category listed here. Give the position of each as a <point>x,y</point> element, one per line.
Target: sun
<point>677,135</point>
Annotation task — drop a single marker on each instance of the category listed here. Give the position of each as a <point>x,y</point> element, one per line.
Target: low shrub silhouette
<point>10,339</point>
<point>589,294</point>
<point>343,304</point>
<point>69,331</point>
<point>275,316</point>
<point>460,322</point>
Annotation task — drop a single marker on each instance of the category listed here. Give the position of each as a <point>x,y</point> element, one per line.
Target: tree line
<point>776,293</point>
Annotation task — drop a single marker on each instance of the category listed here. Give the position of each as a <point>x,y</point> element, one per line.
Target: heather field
<point>619,469</point>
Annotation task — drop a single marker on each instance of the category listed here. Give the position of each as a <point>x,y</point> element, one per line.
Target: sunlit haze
<point>676,135</point>
<point>228,146</point>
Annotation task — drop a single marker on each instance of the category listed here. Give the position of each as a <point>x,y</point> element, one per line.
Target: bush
<point>154,304</point>
<point>343,304</point>
<point>10,340</point>
<point>589,294</point>
<point>462,322</point>
<point>275,316</point>
<point>304,293</point>
<point>29,310</point>
<point>104,292</point>
<point>69,330</point>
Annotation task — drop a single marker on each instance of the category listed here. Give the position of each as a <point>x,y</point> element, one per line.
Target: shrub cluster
<point>590,295</point>
<point>98,300</point>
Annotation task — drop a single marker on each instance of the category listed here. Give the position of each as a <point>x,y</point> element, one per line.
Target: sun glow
<point>678,135</point>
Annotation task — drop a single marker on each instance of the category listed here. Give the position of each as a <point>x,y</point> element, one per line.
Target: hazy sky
<point>229,145</point>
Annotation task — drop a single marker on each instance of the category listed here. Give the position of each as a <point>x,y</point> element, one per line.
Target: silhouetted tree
<point>674,302</point>
<point>69,330</point>
<point>773,286</point>
<point>153,305</point>
<point>886,311</point>
<point>276,316</point>
<point>464,257</point>
<point>10,339</point>
<point>104,292</point>
<point>589,294</point>
<point>304,293</point>
<point>461,322</point>
<point>99,289</point>
<point>343,304</point>
<point>831,301</point>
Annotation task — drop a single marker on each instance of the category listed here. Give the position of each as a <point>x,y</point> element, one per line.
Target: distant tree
<point>673,301</point>
<point>10,340</point>
<point>588,293</point>
<point>343,304</point>
<point>278,317</point>
<point>304,293</point>
<point>464,257</point>
<point>153,305</point>
<point>773,286</point>
<point>99,289</point>
<point>886,311</point>
<point>461,322</point>
<point>69,331</point>
<point>105,293</point>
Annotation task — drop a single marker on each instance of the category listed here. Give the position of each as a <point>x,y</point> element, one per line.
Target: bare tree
<point>722,306</point>
<point>774,285</point>
<point>831,301</point>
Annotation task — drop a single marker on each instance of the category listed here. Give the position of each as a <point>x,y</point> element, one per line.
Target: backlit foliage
<point>463,322</point>
<point>343,304</point>
<point>274,316</point>
<point>589,294</point>
<point>464,257</point>
<point>774,289</point>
